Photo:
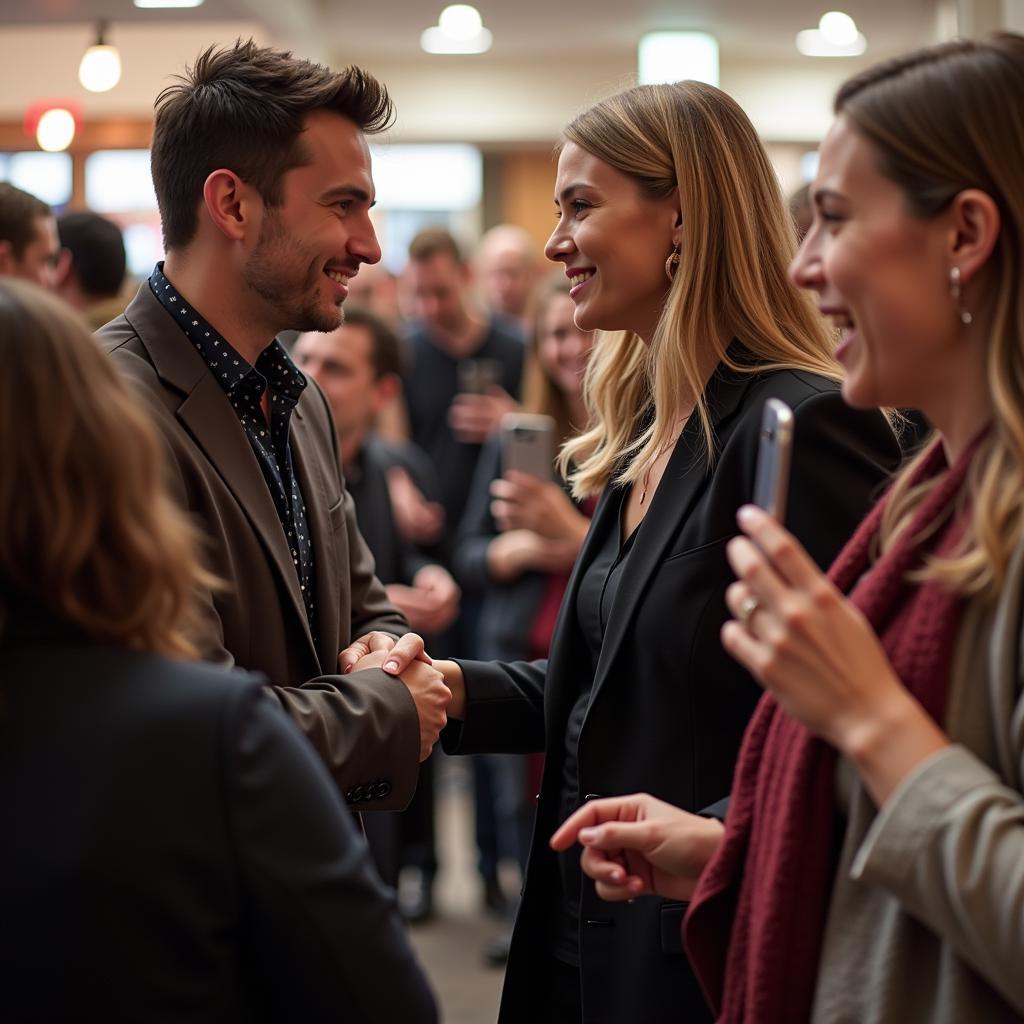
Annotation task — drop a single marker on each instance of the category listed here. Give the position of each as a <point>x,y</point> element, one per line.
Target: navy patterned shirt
<point>244,385</point>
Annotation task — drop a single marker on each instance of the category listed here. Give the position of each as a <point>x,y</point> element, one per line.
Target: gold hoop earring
<point>671,263</point>
<point>955,292</point>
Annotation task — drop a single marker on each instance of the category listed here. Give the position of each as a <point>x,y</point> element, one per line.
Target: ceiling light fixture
<point>459,29</point>
<point>150,4</point>
<point>100,69</point>
<point>55,130</point>
<point>836,36</point>
<point>674,56</point>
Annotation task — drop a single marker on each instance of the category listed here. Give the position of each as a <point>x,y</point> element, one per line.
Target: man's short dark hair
<point>97,252</point>
<point>431,241</point>
<point>19,212</point>
<point>387,353</point>
<point>242,107</point>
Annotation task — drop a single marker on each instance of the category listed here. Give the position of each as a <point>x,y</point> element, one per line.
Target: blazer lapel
<point>209,419</point>
<point>683,483</point>
<point>309,469</point>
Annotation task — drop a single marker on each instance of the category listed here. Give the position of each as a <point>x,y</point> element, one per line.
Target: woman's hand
<point>820,657</point>
<point>524,502</point>
<point>634,845</point>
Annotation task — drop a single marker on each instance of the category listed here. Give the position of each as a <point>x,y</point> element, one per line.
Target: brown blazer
<point>364,725</point>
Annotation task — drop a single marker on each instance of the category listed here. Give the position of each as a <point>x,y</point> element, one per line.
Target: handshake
<point>436,687</point>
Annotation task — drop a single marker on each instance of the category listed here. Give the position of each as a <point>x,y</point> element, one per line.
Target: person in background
<point>880,792</point>
<point>464,374</point>
<point>675,239</point>
<point>265,214</point>
<point>90,276</point>
<point>508,270</point>
<point>518,541</point>
<point>173,849</point>
<point>29,246</point>
<point>358,366</point>
<point>801,210</point>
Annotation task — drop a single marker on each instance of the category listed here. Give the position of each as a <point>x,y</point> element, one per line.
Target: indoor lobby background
<point>472,148</point>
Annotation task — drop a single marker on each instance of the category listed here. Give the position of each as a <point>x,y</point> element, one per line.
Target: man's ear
<point>975,230</point>
<point>233,207</point>
<point>65,262</point>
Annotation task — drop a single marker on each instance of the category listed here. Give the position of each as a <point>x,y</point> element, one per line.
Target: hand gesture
<point>637,844</point>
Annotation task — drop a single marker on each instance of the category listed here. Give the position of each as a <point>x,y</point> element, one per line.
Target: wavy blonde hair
<point>943,119</point>
<point>731,282</point>
<point>88,531</point>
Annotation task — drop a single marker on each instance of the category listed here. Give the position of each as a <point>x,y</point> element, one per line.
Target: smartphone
<point>527,444</point>
<point>477,376</point>
<point>771,481</point>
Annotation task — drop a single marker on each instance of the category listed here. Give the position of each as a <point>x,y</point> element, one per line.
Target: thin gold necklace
<point>647,472</point>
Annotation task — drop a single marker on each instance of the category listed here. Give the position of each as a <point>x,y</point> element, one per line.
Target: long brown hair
<point>943,119</point>
<point>88,531</point>
<point>731,281</point>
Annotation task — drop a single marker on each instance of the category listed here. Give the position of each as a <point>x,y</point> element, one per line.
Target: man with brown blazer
<point>262,173</point>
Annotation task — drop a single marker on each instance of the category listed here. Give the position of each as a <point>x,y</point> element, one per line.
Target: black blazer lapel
<point>684,481</point>
<point>209,419</point>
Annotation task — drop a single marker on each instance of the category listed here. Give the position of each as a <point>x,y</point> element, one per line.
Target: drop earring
<point>955,293</point>
<point>671,263</point>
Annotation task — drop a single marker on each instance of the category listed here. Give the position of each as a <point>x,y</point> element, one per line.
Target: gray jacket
<point>926,922</point>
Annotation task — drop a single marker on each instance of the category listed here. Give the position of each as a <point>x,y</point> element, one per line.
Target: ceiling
<point>522,30</point>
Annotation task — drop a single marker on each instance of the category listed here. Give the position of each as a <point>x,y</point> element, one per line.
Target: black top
<point>432,381</point>
<point>599,583</point>
<point>244,385</point>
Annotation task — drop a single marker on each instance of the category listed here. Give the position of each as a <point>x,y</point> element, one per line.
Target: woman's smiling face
<point>613,242</point>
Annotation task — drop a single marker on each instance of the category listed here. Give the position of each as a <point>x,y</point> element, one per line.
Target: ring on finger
<point>745,610</point>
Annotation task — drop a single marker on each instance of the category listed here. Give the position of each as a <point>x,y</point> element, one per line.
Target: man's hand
<point>406,649</point>
<point>418,520</point>
<point>473,418</point>
<point>431,603</point>
<point>637,844</point>
<point>424,682</point>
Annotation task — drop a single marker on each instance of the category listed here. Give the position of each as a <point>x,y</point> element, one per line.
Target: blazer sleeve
<point>504,709</point>
<point>324,933</point>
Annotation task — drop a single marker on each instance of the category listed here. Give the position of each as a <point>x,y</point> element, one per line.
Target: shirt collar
<point>274,367</point>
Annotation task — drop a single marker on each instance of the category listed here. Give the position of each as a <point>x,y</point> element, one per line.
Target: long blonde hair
<point>87,530</point>
<point>731,281</point>
<point>943,119</point>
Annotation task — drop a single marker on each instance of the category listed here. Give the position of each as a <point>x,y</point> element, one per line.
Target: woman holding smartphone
<point>870,866</point>
<point>675,239</point>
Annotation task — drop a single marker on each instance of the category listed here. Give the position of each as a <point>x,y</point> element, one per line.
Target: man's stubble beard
<point>272,274</point>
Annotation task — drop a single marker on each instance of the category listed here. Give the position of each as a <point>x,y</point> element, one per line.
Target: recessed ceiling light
<point>459,29</point>
<point>151,4</point>
<point>835,36</point>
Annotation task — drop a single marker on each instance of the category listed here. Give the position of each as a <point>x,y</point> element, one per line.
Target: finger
<point>757,572</point>
<point>621,893</point>
<point>746,649</point>
<point>593,812</point>
<point>756,621</point>
<point>617,835</point>
<point>404,652</point>
<point>596,864</point>
<point>786,554</point>
<point>351,654</point>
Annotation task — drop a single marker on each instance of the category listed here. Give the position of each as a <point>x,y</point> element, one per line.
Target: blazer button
<point>357,794</point>
<point>383,789</point>
<point>593,796</point>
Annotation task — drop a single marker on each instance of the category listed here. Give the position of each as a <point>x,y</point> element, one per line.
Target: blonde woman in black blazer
<point>675,238</point>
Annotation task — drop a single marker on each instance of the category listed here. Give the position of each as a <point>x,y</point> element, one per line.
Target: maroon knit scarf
<point>755,924</point>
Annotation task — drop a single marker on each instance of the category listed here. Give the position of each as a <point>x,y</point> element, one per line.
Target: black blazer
<point>668,705</point>
<point>173,850</point>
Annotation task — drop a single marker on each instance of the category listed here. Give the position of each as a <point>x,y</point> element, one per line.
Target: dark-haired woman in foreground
<point>872,863</point>
<point>172,849</point>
